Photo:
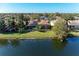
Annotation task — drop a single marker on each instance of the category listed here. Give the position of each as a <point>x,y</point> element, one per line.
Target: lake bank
<point>73,33</point>
<point>29,35</point>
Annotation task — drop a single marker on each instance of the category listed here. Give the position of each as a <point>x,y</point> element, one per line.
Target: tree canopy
<point>59,28</point>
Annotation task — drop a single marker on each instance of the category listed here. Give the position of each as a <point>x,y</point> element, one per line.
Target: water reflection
<point>12,43</point>
<point>58,45</point>
<point>3,42</point>
<point>38,47</point>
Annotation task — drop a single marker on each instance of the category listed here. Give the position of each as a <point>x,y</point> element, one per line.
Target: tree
<point>3,42</point>
<point>58,14</point>
<point>14,43</point>
<point>12,26</point>
<point>26,19</point>
<point>68,16</point>
<point>51,16</point>
<point>2,26</point>
<point>35,16</point>
<point>60,28</point>
<point>22,22</point>
<point>58,45</point>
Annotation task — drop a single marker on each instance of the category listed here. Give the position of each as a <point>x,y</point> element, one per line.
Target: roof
<point>76,17</point>
<point>32,23</point>
<point>43,22</point>
<point>73,22</point>
<point>43,17</point>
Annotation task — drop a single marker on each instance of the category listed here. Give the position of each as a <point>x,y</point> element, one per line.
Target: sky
<point>39,7</point>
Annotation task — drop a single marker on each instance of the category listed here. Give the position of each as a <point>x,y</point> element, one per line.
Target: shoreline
<point>30,35</point>
<point>25,38</point>
<point>73,34</point>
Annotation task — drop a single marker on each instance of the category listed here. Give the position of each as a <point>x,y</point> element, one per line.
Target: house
<point>44,22</point>
<point>73,24</point>
<point>76,17</point>
<point>32,23</point>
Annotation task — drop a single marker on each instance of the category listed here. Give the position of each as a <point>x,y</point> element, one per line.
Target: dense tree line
<point>18,22</point>
<point>14,24</point>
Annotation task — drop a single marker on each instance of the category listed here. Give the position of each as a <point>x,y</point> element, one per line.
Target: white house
<point>73,24</point>
<point>76,17</point>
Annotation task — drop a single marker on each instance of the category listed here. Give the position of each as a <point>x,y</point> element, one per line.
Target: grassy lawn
<point>34,34</point>
<point>74,33</point>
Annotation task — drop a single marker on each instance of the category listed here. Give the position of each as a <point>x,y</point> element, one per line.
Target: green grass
<point>34,34</point>
<point>74,33</point>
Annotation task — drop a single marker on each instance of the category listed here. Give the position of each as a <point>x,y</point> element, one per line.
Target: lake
<point>40,47</point>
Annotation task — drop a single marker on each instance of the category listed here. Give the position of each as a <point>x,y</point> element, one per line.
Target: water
<point>37,47</point>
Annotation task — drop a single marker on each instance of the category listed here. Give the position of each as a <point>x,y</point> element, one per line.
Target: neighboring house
<point>32,23</point>
<point>43,21</point>
<point>73,24</point>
